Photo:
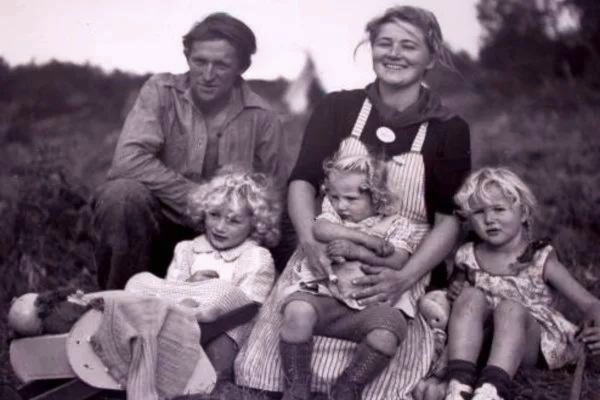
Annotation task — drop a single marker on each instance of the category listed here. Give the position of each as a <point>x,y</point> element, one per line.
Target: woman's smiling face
<point>400,55</point>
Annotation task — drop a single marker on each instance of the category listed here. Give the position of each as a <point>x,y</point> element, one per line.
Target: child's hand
<point>189,303</point>
<point>590,335</point>
<point>203,275</point>
<point>380,246</point>
<point>455,288</point>
<point>342,249</point>
<point>338,260</point>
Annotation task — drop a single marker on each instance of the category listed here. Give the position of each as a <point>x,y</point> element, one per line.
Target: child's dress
<point>528,288</point>
<point>248,266</point>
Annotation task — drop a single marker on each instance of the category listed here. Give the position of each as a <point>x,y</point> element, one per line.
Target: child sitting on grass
<point>360,212</point>
<point>512,283</point>
<point>239,213</point>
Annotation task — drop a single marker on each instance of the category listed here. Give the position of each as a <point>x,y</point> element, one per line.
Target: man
<point>181,129</point>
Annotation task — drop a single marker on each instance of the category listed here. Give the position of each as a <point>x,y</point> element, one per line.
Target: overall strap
<point>361,120</point>
<point>417,144</point>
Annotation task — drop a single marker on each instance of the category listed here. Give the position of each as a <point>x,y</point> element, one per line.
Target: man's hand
<point>203,275</point>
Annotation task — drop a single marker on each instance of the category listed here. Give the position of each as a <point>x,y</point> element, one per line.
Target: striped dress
<point>258,364</point>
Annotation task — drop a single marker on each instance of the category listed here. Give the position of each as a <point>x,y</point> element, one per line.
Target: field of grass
<point>550,138</point>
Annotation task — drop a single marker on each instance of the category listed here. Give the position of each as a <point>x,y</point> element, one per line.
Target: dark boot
<point>366,365</point>
<point>295,361</point>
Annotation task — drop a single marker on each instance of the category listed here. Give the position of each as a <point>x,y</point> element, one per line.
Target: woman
<point>428,150</point>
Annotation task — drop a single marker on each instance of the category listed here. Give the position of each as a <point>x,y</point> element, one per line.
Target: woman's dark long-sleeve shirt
<point>446,151</point>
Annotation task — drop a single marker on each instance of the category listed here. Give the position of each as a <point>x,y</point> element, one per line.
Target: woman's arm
<point>382,284</point>
<point>301,207</point>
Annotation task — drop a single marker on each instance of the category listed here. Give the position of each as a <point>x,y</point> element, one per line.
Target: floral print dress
<point>528,288</point>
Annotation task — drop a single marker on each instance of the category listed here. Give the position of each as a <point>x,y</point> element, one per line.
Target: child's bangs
<point>226,197</point>
<point>216,198</point>
<point>487,192</point>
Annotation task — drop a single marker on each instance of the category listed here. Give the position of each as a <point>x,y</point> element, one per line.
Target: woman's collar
<point>427,107</point>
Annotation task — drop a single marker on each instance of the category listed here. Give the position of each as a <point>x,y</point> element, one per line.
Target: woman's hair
<point>224,26</point>
<point>254,190</point>
<point>477,190</point>
<point>423,19</point>
<point>375,183</point>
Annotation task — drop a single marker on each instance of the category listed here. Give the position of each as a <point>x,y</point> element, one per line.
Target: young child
<point>239,213</point>
<point>513,282</point>
<point>360,211</point>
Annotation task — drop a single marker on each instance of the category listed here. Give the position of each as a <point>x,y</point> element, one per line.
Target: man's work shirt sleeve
<point>137,152</point>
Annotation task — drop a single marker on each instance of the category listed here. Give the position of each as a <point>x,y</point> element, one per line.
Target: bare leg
<point>384,341</point>
<point>295,347</point>
<point>516,337</point>
<point>465,330</point>
<point>299,319</point>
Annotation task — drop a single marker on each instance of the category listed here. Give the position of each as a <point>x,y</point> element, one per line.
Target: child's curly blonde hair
<point>254,190</point>
<point>375,183</point>
<point>476,190</point>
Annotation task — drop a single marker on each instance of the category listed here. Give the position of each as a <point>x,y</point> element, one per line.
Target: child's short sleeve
<point>328,213</point>
<point>404,235</point>
<point>462,257</point>
<point>180,268</point>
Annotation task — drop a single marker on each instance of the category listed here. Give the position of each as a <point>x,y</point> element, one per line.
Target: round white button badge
<point>385,134</point>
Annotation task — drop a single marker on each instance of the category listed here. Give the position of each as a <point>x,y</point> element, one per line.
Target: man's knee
<point>122,193</point>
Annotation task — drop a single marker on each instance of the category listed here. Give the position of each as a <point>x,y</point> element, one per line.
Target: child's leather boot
<point>295,361</point>
<point>365,366</point>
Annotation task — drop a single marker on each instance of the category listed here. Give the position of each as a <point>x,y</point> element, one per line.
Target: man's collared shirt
<point>164,140</point>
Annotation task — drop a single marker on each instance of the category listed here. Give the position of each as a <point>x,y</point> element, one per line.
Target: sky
<point>143,36</point>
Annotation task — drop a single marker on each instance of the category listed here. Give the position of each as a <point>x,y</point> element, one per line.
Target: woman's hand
<point>381,285</point>
<point>317,258</point>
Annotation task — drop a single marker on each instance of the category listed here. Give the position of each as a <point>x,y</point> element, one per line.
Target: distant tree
<point>4,76</point>
<point>589,28</point>
<point>518,38</point>
<point>526,40</point>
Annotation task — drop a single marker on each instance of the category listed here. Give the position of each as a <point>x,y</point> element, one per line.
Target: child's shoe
<point>457,390</point>
<point>487,391</point>
<point>494,384</point>
<point>461,376</point>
